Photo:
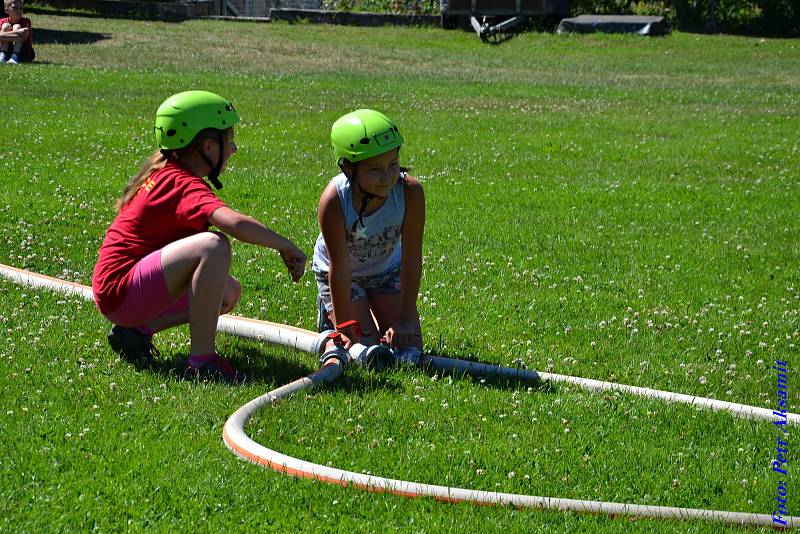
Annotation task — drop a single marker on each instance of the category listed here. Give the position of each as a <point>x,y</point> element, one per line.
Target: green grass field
<point>610,207</point>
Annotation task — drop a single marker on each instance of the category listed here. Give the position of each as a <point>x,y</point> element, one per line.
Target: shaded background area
<point>48,36</point>
<point>747,17</point>
<point>769,18</point>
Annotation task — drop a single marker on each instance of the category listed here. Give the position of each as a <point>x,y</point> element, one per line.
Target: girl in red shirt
<point>159,265</point>
<point>16,35</point>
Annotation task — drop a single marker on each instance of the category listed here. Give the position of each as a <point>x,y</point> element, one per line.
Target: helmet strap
<point>213,176</point>
<point>366,197</point>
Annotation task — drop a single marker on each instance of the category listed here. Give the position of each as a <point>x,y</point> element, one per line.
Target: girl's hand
<point>295,261</point>
<point>402,334</point>
<point>345,339</point>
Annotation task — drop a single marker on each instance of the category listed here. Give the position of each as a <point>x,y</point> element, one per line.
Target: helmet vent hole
<point>219,112</point>
<point>184,125</point>
<point>223,122</point>
<point>181,141</point>
<point>171,132</point>
<point>364,141</point>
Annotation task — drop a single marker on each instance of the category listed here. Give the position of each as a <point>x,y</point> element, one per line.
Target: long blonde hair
<point>157,160</point>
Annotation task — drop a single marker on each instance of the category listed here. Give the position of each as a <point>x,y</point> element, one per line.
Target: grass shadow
<point>270,366</point>
<point>46,36</point>
<point>255,363</point>
<point>266,367</point>
<point>358,381</point>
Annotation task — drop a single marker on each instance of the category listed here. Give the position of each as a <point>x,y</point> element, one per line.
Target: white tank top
<point>375,247</point>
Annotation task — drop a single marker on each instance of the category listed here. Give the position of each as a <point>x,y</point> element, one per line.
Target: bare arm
<point>249,230</point>
<point>340,277</point>
<point>405,330</point>
<point>411,260</point>
<point>15,36</point>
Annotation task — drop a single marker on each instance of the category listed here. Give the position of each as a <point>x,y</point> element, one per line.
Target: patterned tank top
<point>375,247</point>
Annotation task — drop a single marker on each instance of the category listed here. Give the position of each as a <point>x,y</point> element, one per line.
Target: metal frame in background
<point>497,20</point>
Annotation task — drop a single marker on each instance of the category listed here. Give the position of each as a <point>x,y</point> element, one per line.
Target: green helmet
<point>182,116</point>
<point>362,134</point>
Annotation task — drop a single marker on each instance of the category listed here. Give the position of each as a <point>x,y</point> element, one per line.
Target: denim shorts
<point>361,288</point>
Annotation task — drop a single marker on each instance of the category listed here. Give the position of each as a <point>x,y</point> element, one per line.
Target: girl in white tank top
<point>368,256</point>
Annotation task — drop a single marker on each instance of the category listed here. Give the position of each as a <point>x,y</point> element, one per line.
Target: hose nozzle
<point>375,357</point>
<point>334,350</point>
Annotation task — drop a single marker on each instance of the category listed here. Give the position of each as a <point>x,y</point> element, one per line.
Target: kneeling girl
<point>368,256</point>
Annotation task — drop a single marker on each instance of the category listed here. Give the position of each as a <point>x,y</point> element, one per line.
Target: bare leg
<point>17,46</point>
<point>387,309</point>
<point>5,46</point>
<point>233,291</point>
<point>199,264</point>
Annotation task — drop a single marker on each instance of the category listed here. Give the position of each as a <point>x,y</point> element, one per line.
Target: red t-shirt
<point>172,204</point>
<point>24,22</point>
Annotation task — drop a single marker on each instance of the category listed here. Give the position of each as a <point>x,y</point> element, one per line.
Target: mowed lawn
<point>618,208</point>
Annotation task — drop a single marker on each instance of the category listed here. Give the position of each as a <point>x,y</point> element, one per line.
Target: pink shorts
<point>148,298</point>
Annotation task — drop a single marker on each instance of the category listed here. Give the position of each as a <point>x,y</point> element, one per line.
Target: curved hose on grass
<point>304,340</point>
<point>240,444</point>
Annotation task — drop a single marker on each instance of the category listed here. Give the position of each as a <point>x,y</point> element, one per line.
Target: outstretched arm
<point>249,230</point>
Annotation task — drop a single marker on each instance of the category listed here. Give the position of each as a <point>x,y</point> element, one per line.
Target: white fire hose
<point>336,359</point>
